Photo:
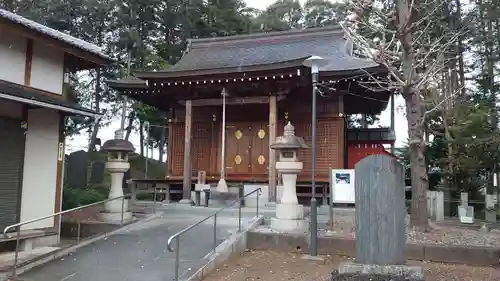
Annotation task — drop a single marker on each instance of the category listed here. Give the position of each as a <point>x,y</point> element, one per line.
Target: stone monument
<point>380,224</point>
<point>200,189</point>
<point>117,164</point>
<point>289,214</point>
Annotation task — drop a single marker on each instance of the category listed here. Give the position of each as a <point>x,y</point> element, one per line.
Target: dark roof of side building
<point>32,96</point>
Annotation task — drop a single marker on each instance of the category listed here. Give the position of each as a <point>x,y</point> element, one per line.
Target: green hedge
<point>75,197</point>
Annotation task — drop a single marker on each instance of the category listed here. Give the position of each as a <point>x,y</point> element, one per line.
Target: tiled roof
<point>241,53</point>
<point>75,42</point>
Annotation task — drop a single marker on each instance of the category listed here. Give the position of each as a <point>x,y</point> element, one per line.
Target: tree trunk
<point>415,119</point>
<point>141,136</point>
<point>130,125</point>
<point>448,88</point>
<point>461,71</point>
<point>97,100</point>
<point>419,179</point>
<point>490,190</point>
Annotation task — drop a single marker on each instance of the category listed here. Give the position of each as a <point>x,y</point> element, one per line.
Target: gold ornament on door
<point>261,160</point>
<point>261,134</point>
<point>237,159</point>
<point>238,134</point>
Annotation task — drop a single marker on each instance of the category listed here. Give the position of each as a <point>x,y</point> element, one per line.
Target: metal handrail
<point>18,225</point>
<point>214,215</point>
<point>60,213</point>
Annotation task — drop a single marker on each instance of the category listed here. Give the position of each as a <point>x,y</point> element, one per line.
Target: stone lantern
<point>117,164</point>
<point>289,214</point>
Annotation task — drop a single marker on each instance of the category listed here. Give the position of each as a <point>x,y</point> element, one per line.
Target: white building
<point>34,60</point>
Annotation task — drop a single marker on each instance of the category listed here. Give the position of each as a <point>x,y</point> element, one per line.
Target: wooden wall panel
<point>177,146</point>
<point>206,137</point>
<point>329,146</point>
<point>303,129</point>
<point>301,110</point>
<point>200,147</point>
<point>200,113</point>
<point>248,112</point>
<point>203,153</point>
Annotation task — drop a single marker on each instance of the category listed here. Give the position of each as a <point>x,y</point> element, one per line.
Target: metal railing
<point>59,215</point>
<point>177,235</point>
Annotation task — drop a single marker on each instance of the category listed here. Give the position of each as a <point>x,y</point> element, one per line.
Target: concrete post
<point>464,199</point>
<point>439,207</point>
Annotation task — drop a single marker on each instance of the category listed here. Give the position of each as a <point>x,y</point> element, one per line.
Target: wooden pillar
<point>272,152</point>
<point>186,183</point>
<point>344,131</point>
<point>168,153</point>
<point>59,173</point>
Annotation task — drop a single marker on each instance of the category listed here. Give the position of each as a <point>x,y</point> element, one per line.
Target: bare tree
<point>403,37</point>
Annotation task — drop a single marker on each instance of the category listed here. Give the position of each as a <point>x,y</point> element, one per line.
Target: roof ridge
<point>222,40</point>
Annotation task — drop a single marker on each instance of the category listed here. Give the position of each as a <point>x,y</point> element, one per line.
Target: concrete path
<point>140,253</point>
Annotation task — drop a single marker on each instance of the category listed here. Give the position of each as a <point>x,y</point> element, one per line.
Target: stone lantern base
<point>289,218</point>
<point>113,212</point>
<point>116,218</point>
<point>289,213</point>
<point>113,209</point>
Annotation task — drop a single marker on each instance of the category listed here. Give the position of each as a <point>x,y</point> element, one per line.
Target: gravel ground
<point>274,266</point>
<point>443,235</point>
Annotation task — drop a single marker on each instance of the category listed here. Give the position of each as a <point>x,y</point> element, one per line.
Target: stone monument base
<point>370,272</point>
<point>222,199</point>
<point>289,218</point>
<point>116,218</point>
<point>202,197</point>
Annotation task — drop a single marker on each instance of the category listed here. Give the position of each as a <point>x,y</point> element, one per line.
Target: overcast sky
<point>81,142</point>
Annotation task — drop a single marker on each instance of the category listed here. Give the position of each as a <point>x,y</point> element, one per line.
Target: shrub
<point>145,196</point>
<point>75,197</point>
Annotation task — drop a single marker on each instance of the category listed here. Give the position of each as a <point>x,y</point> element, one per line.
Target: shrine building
<point>266,85</point>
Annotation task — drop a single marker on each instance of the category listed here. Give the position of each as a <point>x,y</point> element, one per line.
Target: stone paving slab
<point>140,253</point>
